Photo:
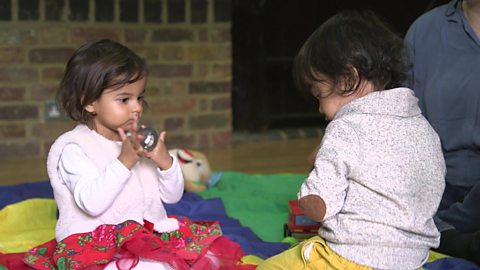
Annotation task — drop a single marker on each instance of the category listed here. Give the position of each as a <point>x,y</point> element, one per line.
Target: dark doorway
<point>267,34</point>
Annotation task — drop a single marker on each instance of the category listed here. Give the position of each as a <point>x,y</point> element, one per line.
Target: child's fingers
<point>121,132</point>
<point>129,137</point>
<point>162,136</point>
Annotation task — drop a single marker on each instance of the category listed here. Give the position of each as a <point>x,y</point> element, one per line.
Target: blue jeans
<point>459,209</point>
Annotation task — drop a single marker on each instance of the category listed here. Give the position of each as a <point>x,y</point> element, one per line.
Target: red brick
<point>205,53</point>
<point>51,129</point>
<point>222,71</point>
<point>12,131</point>
<point>52,74</point>
<point>135,35</point>
<point>174,123</point>
<point>203,35</point>
<point>209,121</point>
<point>179,141</point>
<point>209,87</point>
<point>220,104</point>
<point>172,35</point>
<point>25,150</point>
<point>50,55</point>
<point>220,35</point>
<point>203,140</point>
<point>42,92</point>
<point>163,71</point>
<point>173,53</point>
<point>82,35</point>
<point>18,75</point>
<point>46,146</point>
<point>29,36</point>
<point>221,138</point>
<point>55,35</point>
<point>175,102</point>
<point>148,53</point>
<point>12,55</point>
<point>17,36</point>
<point>203,70</point>
<point>18,112</point>
<point>167,88</point>
<point>12,93</point>
<point>172,106</point>
<point>203,105</point>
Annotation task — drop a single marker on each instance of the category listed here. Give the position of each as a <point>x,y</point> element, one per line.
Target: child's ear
<point>353,73</point>
<point>90,108</point>
<point>351,80</point>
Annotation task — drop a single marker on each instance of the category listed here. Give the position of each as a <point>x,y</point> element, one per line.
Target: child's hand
<point>160,154</point>
<point>131,151</point>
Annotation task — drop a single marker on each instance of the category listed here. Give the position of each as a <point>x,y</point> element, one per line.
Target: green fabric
<point>258,201</point>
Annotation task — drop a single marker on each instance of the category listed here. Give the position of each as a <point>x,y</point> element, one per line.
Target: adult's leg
<point>462,215</point>
<point>459,223</point>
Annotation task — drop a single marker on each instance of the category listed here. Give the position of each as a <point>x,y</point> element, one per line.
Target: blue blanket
<point>198,208</point>
<point>16,193</point>
<point>191,205</point>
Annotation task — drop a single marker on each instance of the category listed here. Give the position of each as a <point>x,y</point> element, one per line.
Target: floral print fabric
<point>125,243</point>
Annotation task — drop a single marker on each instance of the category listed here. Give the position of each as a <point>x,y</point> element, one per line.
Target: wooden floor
<point>267,157</point>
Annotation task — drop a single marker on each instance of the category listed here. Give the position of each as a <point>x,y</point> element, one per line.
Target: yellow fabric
<point>27,224</point>
<point>321,258</point>
<point>251,259</point>
<point>435,256</point>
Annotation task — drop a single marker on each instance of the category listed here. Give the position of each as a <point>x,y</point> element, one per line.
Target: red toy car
<point>299,226</point>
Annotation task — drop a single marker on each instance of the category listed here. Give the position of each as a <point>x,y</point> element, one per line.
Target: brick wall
<point>187,44</point>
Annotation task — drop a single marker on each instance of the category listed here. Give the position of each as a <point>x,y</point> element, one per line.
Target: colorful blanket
<point>251,210</point>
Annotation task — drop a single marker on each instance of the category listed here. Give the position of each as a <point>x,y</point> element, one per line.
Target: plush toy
<point>196,170</point>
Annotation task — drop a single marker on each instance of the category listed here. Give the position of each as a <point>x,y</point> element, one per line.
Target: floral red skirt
<point>198,245</point>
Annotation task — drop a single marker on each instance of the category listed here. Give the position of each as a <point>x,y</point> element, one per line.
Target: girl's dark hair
<point>94,67</point>
<point>349,39</point>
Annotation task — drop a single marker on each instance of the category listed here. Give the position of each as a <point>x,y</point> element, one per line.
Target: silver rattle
<point>150,137</point>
